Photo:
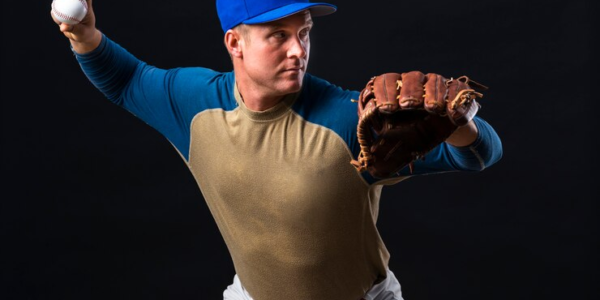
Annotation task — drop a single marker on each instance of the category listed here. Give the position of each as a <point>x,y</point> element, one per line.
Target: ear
<point>234,43</point>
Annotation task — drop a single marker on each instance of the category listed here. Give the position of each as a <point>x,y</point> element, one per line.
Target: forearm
<point>109,67</point>
<point>482,152</point>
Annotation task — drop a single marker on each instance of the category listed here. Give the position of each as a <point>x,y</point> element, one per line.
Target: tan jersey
<point>298,220</point>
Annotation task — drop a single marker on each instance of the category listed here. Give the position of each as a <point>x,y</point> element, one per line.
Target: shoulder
<point>201,76</point>
<point>322,101</point>
<point>330,106</point>
<point>318,88</point>
<point>202,88</point>
<point>207,80</point>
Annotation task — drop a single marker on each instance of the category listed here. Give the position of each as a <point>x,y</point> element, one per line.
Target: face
<point>274,55</point>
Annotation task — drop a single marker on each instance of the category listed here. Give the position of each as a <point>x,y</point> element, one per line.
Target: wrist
<point>464,135</point>
<point>87,45</point>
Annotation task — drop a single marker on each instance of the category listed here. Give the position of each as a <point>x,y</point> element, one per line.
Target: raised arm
<point>143,90</point>
<point>165,99</point>
<point>108,66</point>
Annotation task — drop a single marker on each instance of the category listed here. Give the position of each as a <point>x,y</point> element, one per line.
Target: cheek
<point>264,58</point>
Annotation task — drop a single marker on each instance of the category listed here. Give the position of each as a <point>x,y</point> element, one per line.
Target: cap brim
<point>316,10</point>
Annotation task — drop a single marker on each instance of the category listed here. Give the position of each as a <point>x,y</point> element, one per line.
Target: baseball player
<point>270,148</point>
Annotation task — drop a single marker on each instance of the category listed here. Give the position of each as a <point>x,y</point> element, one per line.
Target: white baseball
<point>69,11</point>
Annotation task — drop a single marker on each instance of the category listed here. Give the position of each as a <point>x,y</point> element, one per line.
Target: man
<point>270,147</point>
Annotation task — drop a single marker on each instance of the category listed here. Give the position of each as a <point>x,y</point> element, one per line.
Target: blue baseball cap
<point>235,12</point>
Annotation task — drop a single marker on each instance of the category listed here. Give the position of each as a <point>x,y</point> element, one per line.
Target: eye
<point>279,35</point>
<point>304,32</point>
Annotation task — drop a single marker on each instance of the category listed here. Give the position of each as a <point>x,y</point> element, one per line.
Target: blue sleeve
<point>167,100</point>
<point>482,153</point>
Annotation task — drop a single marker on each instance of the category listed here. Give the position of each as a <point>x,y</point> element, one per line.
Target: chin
<point>293,86</point>
<point>296,88</point>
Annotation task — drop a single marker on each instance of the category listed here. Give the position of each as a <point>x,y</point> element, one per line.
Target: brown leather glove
<point>404,116</point>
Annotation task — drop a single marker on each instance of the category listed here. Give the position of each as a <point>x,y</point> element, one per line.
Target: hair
<point>244,31</point>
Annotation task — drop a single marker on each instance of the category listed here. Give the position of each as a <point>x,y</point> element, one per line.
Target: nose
<point>298,48</point>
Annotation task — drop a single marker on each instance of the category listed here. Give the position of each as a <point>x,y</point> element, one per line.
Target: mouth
<point>294,70</point>
<point>296,66</point>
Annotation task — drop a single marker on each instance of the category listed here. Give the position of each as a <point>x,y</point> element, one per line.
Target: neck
<point>257,101</point>
<point>255,98</point>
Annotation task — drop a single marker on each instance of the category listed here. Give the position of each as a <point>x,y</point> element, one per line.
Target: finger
<point>454,88</point>
<point>411,91</point>
<point>435,94</point>
<point>386,92</point>
<point>365,96</point>
<point>89,4</point>
<point>64,27</point>
<point>461,107</point>
<point>89,8</point>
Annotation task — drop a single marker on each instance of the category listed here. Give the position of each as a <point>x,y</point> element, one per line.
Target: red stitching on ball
<point>84,3</point>
<point>63,16</point>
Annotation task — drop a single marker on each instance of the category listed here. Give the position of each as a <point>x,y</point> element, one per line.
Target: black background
<point>97,205</point>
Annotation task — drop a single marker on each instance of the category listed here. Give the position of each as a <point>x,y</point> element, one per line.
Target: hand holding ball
<point>69,11</point>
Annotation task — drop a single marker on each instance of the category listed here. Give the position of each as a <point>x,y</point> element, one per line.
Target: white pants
<point>389,289</point>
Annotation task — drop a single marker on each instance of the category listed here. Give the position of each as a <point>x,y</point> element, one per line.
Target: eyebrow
<point>278,24</point>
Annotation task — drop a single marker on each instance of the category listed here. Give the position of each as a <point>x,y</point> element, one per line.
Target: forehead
<point>299,19</point>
